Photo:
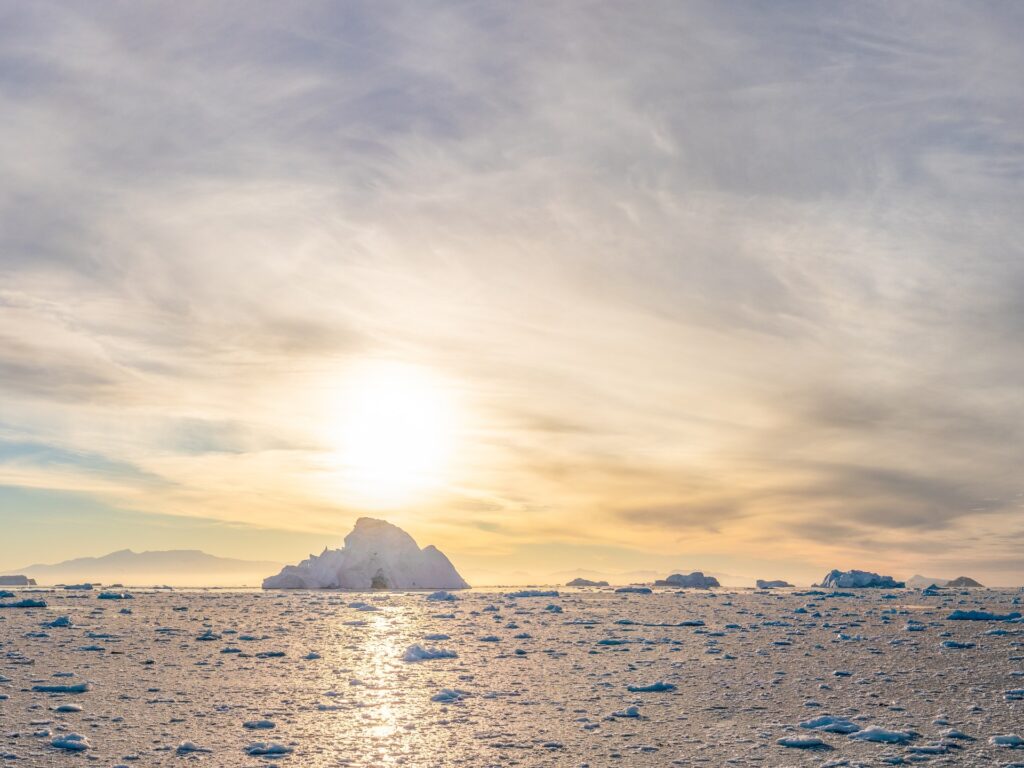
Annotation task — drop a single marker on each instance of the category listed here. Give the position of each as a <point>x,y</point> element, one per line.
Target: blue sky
<point>707,283</point>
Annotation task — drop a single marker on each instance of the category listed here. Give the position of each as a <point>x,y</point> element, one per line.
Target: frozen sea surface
<point>598,678</point>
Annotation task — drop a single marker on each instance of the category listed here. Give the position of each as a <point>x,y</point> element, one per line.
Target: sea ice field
<point>865,677</point>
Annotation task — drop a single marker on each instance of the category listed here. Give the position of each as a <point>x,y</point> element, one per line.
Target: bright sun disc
<point>395,432</point>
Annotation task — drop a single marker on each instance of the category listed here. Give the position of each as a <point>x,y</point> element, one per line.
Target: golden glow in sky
<point>554,286</point>
<point>394,433</point>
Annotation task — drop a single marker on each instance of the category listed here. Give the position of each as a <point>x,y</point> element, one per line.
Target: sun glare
<point>394,433</point>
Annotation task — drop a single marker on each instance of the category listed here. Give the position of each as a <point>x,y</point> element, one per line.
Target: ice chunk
<point>882,735</point>
<point>26,603</point>
<point>73,742</point>
<point>449,696</point>
<point>775,584</point>
<point>982,616</point>
<point>657,687</point>
<point>74,688</point>
<point>188,747</point>
<point>442,596</point>
<point>801,742</point>
<point>1011,740</point>
<point>830,724</point>
<point>417,652</point>
<point>259,748</point>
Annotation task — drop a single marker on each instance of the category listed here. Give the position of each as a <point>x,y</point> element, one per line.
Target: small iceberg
<point>657,687</point>
<point>580,582</point>
<point>982,616</point>
<point>261,749</point>
<point>855,579</point>
<point>775,584</point>
<point>882,735</point>
<point>695,580</point>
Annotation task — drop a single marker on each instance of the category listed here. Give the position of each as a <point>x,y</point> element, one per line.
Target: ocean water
<point>490,679</point>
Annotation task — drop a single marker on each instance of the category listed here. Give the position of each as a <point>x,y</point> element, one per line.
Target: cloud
<point>701,272</point>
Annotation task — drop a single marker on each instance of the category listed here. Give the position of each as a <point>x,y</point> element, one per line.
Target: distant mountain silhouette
<point>174,567</point>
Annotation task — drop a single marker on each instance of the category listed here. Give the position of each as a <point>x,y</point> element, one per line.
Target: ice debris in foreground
<point>417,652</point>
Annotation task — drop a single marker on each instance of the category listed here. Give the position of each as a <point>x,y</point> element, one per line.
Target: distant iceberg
<point>837,579</point>
<point>775,584</point>
<point>376,555</point>
<point>581,582</point>
<point>695,580</point>
<point>17,581</point>
<point>962,581</point>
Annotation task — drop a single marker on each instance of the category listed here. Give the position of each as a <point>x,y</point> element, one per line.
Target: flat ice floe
<point>501,678</point>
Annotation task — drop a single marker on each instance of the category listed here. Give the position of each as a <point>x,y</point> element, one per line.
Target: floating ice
<point>261,749</point>
<point>882,735</point>
<point>26,603</point>
<point>695,580</point>
<point>1011,740</point>
<point>417,652</point>
<point>72,742</point>
<point>442,596</point>
<point>830,724</point>
<point>188,747</point>
<point>652,688</point>
<point>981,616</point>
<point>632,711</point>
<point>801,742</point>
<point>449,696</point>
<point>376,555</point>
<point>775,584</point>
<point>74,688</point>
<point>837,579</point>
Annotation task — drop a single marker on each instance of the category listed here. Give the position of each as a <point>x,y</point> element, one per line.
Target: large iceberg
<point>376,555</point>
<point>695,580</point>
<point>837,579</point>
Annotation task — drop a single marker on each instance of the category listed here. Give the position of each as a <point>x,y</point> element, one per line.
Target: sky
<point>617,287</point>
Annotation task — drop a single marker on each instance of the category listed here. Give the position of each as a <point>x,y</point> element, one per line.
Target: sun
<point>394,432</point>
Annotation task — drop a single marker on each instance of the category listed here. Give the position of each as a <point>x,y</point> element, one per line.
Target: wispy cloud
<point>700,272</point>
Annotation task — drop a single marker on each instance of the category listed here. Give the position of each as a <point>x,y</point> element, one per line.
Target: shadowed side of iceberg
<point>376,555</point>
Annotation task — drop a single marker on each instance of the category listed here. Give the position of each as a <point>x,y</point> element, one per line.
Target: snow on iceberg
<point>858,579</point>
<point>376,555</point>
<point>581,582</point>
